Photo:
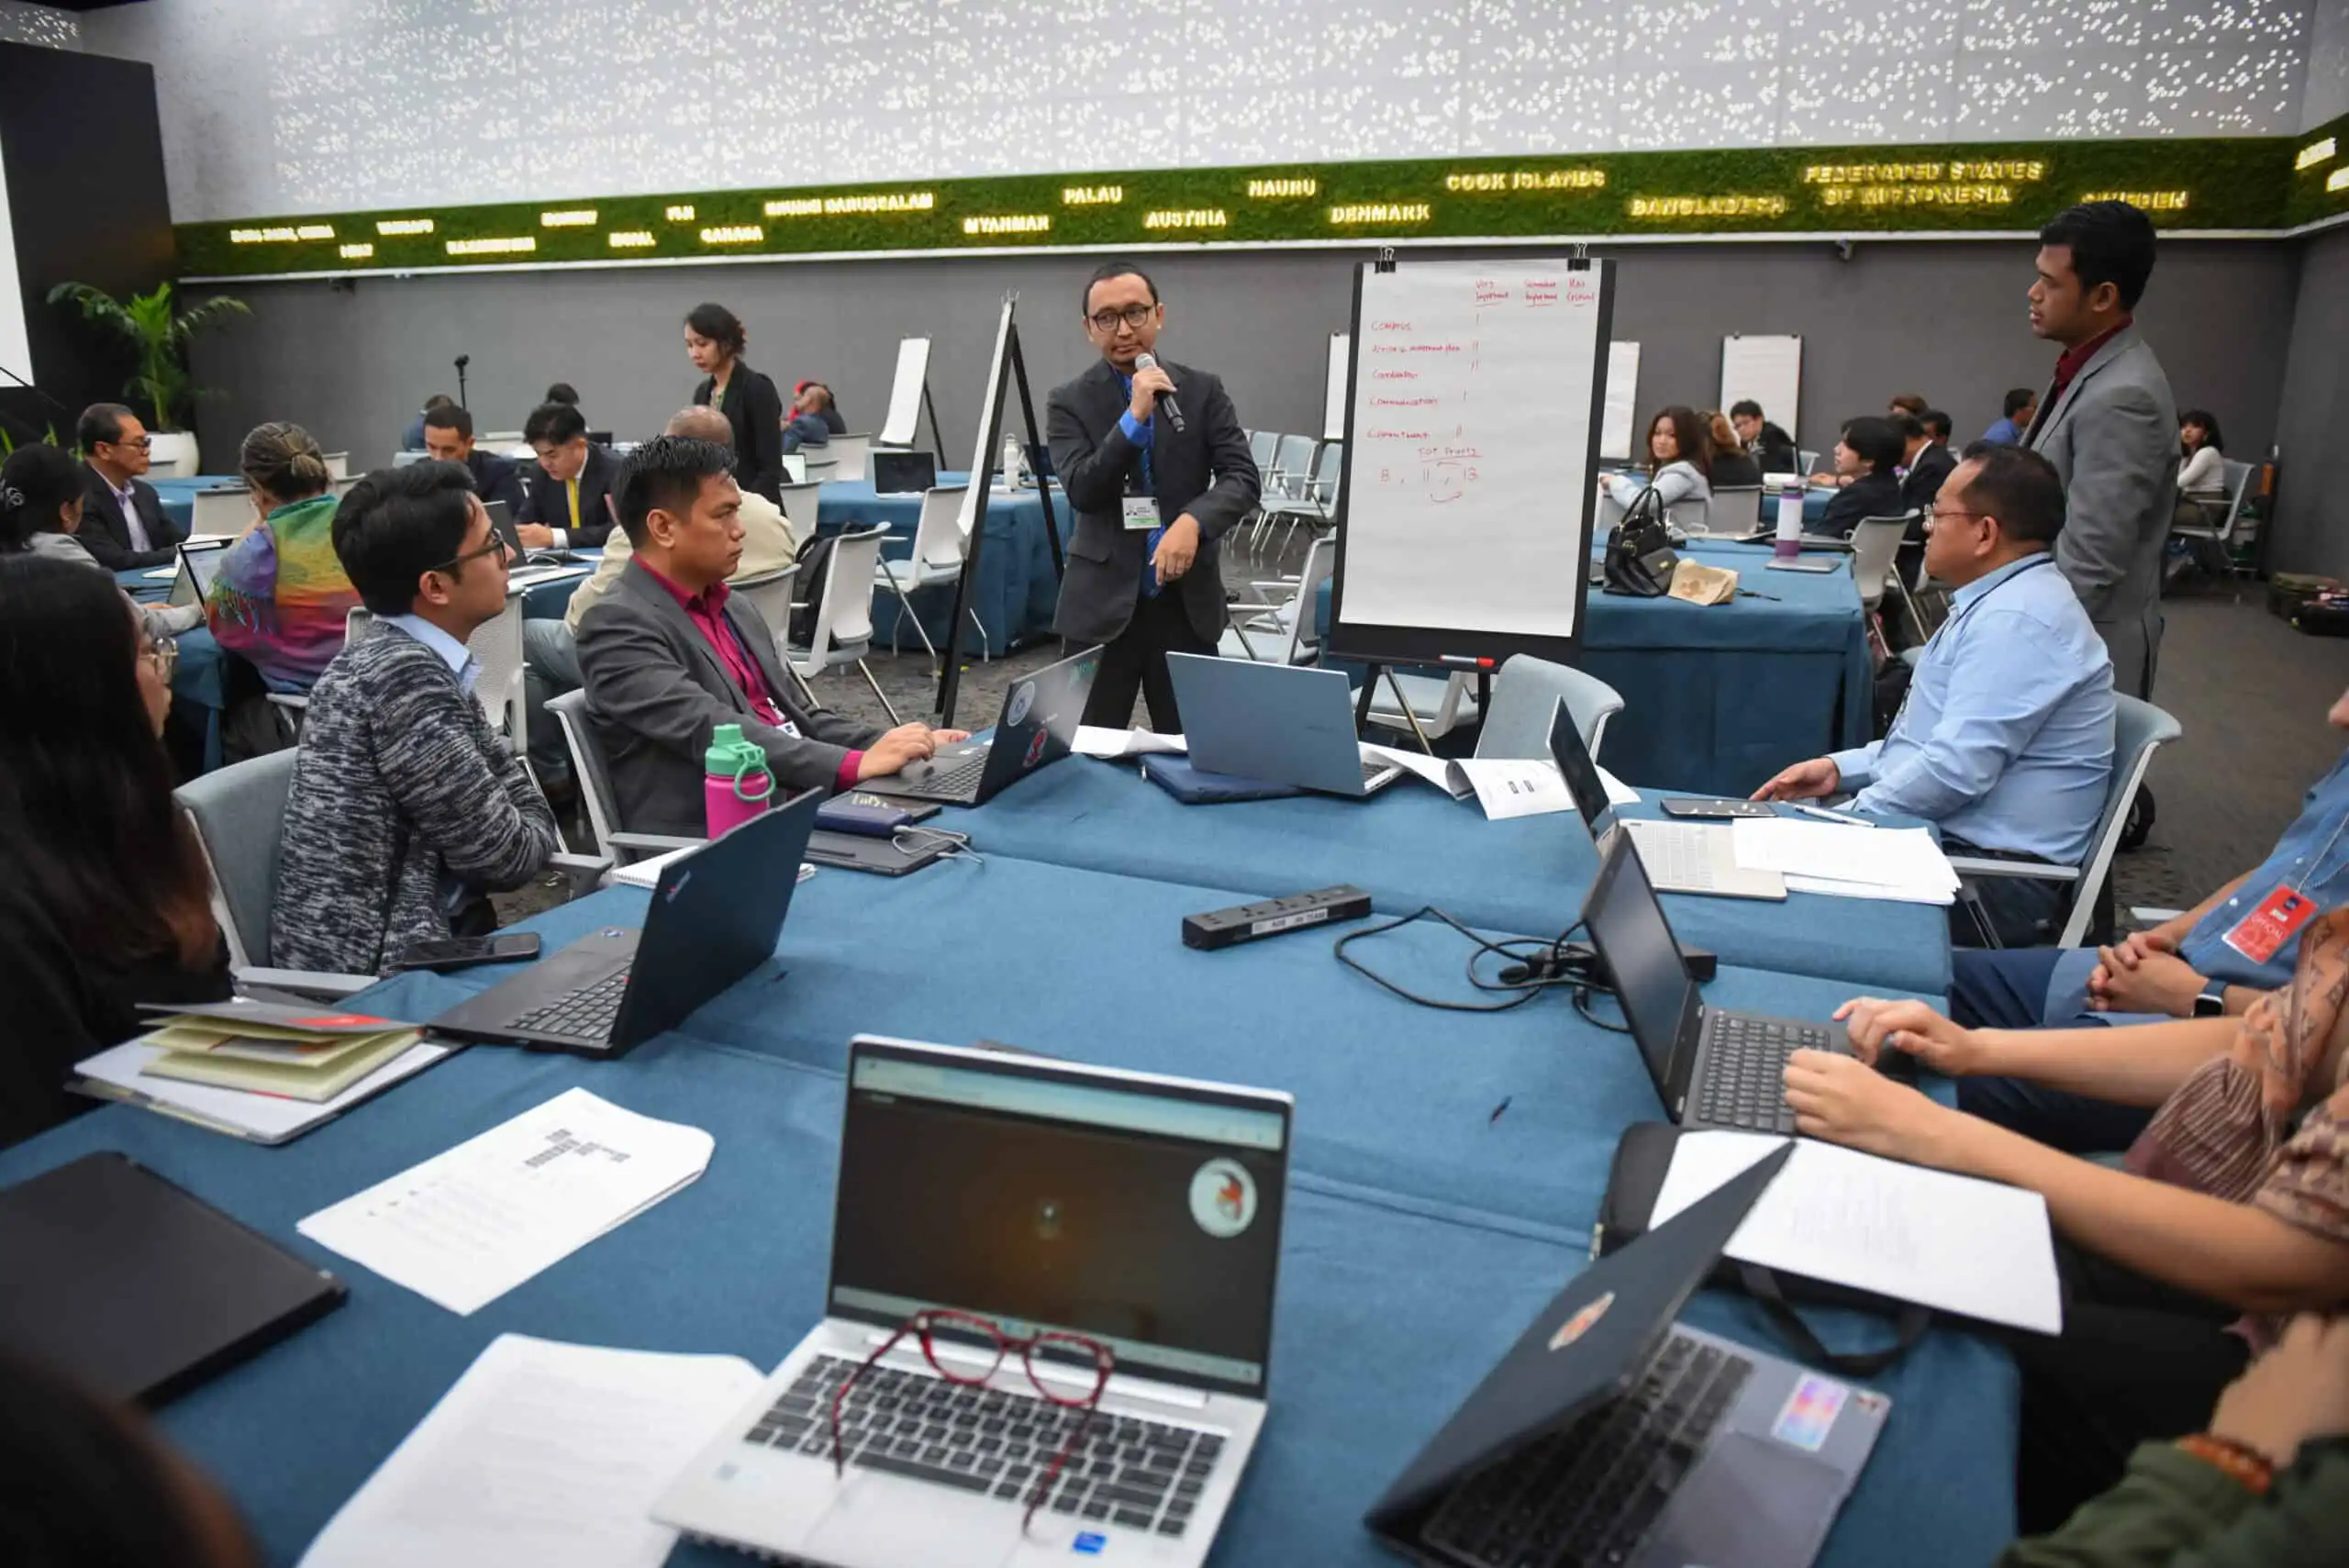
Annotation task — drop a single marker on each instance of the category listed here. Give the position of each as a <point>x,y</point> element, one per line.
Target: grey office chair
<point>1527,691</point>
<point>238,813</point>
<point>593,770</point>
<point>2139,727</point>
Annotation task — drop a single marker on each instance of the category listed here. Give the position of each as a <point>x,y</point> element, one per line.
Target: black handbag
<point>1642,1156</point>
<point>1640,560</point>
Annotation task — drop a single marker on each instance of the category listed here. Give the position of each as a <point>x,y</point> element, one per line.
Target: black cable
<point>1582,1004</point>
<point>1540,966</point>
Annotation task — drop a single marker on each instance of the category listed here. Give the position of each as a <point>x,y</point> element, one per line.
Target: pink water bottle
<point>736,785</point>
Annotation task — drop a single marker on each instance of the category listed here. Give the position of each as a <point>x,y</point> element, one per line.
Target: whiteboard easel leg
<point>1404,705</point>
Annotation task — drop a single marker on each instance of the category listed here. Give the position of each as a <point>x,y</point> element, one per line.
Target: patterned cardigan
<point>403,800</point>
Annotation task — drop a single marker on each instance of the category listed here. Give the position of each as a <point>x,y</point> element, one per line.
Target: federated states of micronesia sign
<point>2254,185</point>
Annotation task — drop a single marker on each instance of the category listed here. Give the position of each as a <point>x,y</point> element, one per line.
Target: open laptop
<point>904,472</point>
<point>1036,728</point>
<point>1685,857</point>
<point>1283,724</point>
<point>1610,1433</point>
<point>715,916</point>
<point>543,565</point>
<point>1141,1212</point>
<point>199,562</point>
<point>1712,1067</point>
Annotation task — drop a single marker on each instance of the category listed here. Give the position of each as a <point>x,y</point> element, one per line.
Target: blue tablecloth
<point>1390,1310</point>
<point>1410,845</point>
<point>1015,591</point>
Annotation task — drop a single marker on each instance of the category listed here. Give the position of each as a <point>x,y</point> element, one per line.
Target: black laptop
<point>903,473</point>
<point>1713,1067</point>
<point>714,917</point>
<point>501,520</point>
<point>1036,728</point>
<point>1612,1434</point>
<point>136,1290</point>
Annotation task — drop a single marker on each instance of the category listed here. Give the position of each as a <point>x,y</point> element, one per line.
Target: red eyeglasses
<point>1059,1349</point>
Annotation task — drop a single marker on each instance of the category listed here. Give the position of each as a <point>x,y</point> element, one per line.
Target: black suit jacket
<point>1775,450</point>
<point>1877,495</point>
<point>107,536</point>
<point>755,410</point>
<point>1934,463</point>
<point>655,690</point>
<point>496,479</point>
<point>545,503</point>
<point>1204,470</point>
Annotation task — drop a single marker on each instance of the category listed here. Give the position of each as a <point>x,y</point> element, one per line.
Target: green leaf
<point>158,334</point>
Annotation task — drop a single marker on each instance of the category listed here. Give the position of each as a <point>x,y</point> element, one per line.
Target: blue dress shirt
<point>2006,739</point>
<point>456,655</point>
<point>1140,432</point>
<point>2005,433</point>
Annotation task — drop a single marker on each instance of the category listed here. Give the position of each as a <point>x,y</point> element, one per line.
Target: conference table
<point>1446,1169</point>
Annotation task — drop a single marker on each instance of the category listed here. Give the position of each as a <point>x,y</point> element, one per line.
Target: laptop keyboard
<point>956,778</point>
<point>589,1012</point>
<point>1746,1070</point>
<point>1593,1492</point>
<point>1142,1475</point>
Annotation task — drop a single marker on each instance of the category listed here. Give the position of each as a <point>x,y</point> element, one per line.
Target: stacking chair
<point>593,770</point>
<point>2139,729</point>
<point>843,631</point>
<point>338,464</point>
<point>1525,693</point>
<point>770,595</point>
<point>936,560</point>
<point>1314,503</point>
<point>1441,704</point>
<point>221,512</point>
<point>2223,525</point>
<point>1286,632</point>
<point>851,456</point>
<point>497,644</point>
<point>1260,449</point>
<point>1735,511</point>
<point>1875,546</point>
<point>802,504</point>
<point>794,468</point>
<point>1291,469</point>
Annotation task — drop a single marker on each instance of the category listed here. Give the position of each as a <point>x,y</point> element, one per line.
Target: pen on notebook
<point>1826,815</point>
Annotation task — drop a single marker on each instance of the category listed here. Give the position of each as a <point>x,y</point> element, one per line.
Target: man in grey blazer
<point>1156,468</point>
<point>668,654</point>
<point>2110,426</point>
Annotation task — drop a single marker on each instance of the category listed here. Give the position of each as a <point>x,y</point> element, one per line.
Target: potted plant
<point>159,389</point>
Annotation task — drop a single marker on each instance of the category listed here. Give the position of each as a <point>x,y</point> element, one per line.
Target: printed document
<point>469,1225</point>
<point>541,1452</point>
<point>1974,1248</point>
<point>1852,863</point>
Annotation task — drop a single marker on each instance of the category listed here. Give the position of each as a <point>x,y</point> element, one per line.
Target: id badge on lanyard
<point>1140,513</point>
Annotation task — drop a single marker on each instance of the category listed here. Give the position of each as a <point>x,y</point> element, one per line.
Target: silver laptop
<point>1279,724</point>
<point>1140,1214</point>
<point>1680,856</point>
<point>200,562</point>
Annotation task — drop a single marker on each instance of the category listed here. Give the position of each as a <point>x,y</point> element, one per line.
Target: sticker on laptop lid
<point>1016,711</point>
<point>1576,1326</point>
<point>1223,1198</point>
<point>1036,749</point>
<point>1809,1413</point>
<point>1090,1542</point>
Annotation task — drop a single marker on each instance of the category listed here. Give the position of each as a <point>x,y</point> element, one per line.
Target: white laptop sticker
<point>1223,1198</point>
<point>1021,701</point>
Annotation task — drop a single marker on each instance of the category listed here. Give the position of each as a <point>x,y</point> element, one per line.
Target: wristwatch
<point>2212,1003</point>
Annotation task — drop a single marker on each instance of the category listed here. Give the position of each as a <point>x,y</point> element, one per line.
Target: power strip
<point>1250,922</point>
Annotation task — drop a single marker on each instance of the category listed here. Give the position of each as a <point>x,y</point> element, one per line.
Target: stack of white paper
<point>1899,863</point>
<point>1956,1243</point>
<point>1099,741</point>
<point>469,1225</point>
<point>540,1452</point>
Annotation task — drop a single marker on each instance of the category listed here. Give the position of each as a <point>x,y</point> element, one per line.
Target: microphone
<point>1148,362</point>
<point>464,359</point>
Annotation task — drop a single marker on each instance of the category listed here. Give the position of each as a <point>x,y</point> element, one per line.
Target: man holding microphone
<point>1156,468</point>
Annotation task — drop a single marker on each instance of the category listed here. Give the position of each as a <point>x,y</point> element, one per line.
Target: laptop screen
<point>202,564</point>
<point>1147,1217</point>
<point>1575,767</point>
<point>1628,927</point>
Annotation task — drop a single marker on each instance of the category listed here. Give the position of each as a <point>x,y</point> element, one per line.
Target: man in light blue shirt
<point>2021,407</point>
<point>2006,739</point>
<point>2201,963</point>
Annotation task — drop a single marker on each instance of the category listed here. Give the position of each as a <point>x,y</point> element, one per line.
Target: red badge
<point>2261,935</point>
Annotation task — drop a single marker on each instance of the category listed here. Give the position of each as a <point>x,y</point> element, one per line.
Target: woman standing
<point>714,341</point>
<point>103,900</point>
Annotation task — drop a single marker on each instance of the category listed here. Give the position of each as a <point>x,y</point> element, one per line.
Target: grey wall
<point>354,359</point>
<point>2312,527</point>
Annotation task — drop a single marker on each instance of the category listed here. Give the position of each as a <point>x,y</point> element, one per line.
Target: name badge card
<point>2261,935</point>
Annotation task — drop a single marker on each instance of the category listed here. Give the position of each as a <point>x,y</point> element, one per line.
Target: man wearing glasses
<point>2006,739</point>
<point>122,521</point>
<point>1157,468</point>
<point>406,809</point>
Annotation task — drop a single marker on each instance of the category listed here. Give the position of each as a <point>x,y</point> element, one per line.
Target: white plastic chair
<point>801,504</point>
<point>1735,511</point>
<point>844,633</point>
<point>222,512</point>
<point>936,558</point>
<point>1527,692</point>
<point>822,471</point>
<point>1260,449</point>
<point>338,464</point>
<point>794,468</point>
<point>1875,545</point>
<point>851,456</point>
<point>1806,460</point>
<point>1441,706</point>
<point>1314,501</point>
<point>770,595</point>
<point>2222,524</point>
<point>591,769</point>
<point>1292,467</point>
<point>2139,729</point>
<point>1288,626</point>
